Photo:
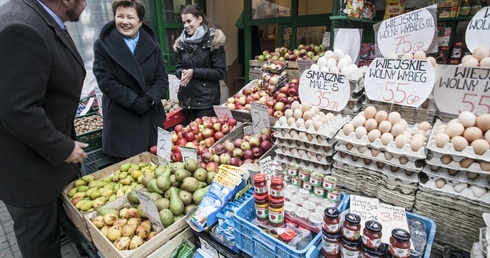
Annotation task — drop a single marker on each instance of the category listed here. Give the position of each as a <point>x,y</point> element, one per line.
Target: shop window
<point>172,9</point>
<point>310,35</point>
<point>263,9</point>
<point>286,37</point>
<point>311,7</point>
<point>171,36</point>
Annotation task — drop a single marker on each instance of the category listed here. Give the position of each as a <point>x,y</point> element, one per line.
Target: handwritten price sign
<point>406,33</point>
<point>461,88</point>
<point>164,145</point>
<point>329,91</point>
<point>260,117</point>
<point>151,210</point>
<point>478,30</point>
<point>405,82</point>
<point>391,217</point>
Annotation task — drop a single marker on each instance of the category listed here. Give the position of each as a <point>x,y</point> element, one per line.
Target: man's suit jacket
<point>41,77</point>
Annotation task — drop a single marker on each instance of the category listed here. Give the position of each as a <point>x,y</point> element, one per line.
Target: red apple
<point>206,133</point>
<point>218,135</point>
<point>176,156</point>
<point>194,127</point>
<point>254,141</point>
<point>248,154</point>
<point>225,128</point>
<point>232,122</point>
<point>292,91</point>
<point>174,136</point>
<point>278,113</point>
<point>257,151</point>
<point>265,145</point>
<point>217,127</point>
<point>190,137</point>
<point>219,149</point>
<point>199,137</point>
<point>212,167</point>
<point>208,142</point>
<point>207,157</point>
<point>214,119</point>
<point>235,162</point>
<point>181,142</point>
<point>222,120</point>
<point>178,128</point>
<point>229,146</point>
<point>270,111</point>
<point>238,142</point>
<point>284,89</point>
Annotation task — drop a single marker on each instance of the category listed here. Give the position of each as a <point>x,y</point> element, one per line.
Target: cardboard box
<point>174,118</point>
<point>74,214</point>
<point>107,248</point>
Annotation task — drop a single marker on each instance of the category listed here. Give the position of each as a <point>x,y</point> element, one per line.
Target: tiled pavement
<point>8,242</point>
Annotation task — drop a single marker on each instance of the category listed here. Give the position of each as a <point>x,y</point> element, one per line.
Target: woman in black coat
<point>201,64</point>
<point>131,74</point>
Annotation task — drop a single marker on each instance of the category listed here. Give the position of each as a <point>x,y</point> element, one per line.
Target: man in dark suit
<point>41,77</point>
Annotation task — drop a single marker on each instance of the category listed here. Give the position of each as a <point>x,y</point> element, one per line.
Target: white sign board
<point>164,145</point>
<point>478,30</point>
<point>366,208</point>
<point>260,117</point>
<point>391,217</point>
<point>222,111</point>
<point>266,166</point>
<point>406,33</point>
<point>406,82</point>
<point>461,88</point>
<point>151,210</point>
<point>303,65</point>
<point>173,86</point>
<point>188,153</point>
<point>324,90</point>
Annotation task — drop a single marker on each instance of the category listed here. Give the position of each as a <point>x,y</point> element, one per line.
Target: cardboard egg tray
<point>454,164</point>
<point>391,147</point>
<point>356,79</point>
<point>466,193</point>
<point>410,114</point>
<point>315,158</point>
<point>318,142</point>
<point>482,180</point>
<point>314,149</point>
<point>350,182</point>
<point>467,152</point>
<point>285,160</point>
<point>327,130</point>
<point>414,165</point>
<point>355,103</point>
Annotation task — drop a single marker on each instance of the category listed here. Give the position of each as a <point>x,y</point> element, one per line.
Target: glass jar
<point>351,227</point>
<point>307,186</point>
<point>399,243</point>
<point>349,249</point>
<point>304,174</point>
<point>296,181</point>
<point>369,253</point>
<point>261,207</point>
<point>276,212</point>
<point>330,245</point>
<point>277,187</point>
<point>329,183</point>
<point>292,169</point>
<point>331,220</point>
<point>333,196</point>
<point>371,234</point>
<point>316,179</point>
<point>260,184</point>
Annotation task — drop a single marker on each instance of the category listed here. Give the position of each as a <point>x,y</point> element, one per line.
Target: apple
<point>215,158</point>
<point>254,141</point>
<point>237,152</point>
<point>242,100</point>
<point>174,136</point>
<point>232,122</point>
<point>207,157</point>
<point>189,137</point>
<point>279,106</point>
<point>225,128</point>
<point>278,113</point>
<point>153,149</point>
<point>198,136</point>
<point>257,151</point>
<point>178,128</point>
<point>190,145</point>
<point>208,142</point>
<point>230,100</point>
<point>270,111</point>
<point>248,106</point>
<point>207,133</point>
<point>218,135</point>
<point>238,142</point>
<point>185,130</point>
<point>181,142</point>
<point>194,126</point>
<point>198,121</point>
<point>234,162</point>
<point>245,145</point>
<point>284,89</point>
<point>176,156</point>
<point>231,106</point>
<point>248,154</point>
<point>265,145</point>
<point>229,146</point>
<point>274,80</point>
<point>224,158</point>
<point>222,120</point>
<point>219,149</point>
<point>217,127</point>
<point>212,167</point>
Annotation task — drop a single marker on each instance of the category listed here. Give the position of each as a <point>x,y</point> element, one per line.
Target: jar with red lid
<point>277,187</point>
<point>349,249</point>
<point>331,220</point>
<point>351,228</point>
<point>330,245</point>
<point>399,243</point>
<point>261,206</point>
<point>287,235</point>
<point>260,184</point>
<point>276,212</point>
<point>370,253</point>
<point>371,234</point>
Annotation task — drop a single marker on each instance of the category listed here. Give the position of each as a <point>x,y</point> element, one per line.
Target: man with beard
<point>42,77</point>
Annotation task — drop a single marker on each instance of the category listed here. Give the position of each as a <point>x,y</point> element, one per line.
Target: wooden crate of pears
<point>104,186</point>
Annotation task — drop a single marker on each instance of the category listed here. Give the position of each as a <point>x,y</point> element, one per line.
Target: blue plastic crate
<point>258,244</point>
<point>430,230</point>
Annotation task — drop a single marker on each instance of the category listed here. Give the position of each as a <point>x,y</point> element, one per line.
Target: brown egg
<point>424,126</point>
<point>466,162</point>
<point>416,143</point>
<point>367,161</point>
<point>373,135</point>
<point>348,129</point>
<point>452,172</point>
<point>446,159</point>
<point>459,143</point>
<point>394,117</point>
<point>471,175</point>
<point>454,129</point>
<point>480,146</point>
<point>484,165</point>
<point>472,133</point>
<point>371,124</point>
<point>381,116</point>
<point>403,160</point>
<point>397,129</point>
<point>483,122</point>
<point>441,139</point>
<point>386,138</point>
<point>384,126</point>
<point>360,132</point>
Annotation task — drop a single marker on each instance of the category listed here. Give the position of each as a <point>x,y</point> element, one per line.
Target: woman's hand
<point>186,77</point>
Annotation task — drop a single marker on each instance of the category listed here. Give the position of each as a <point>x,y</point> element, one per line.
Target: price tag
<point>478,30</point>
<point>326,39</point>
<point>407,33</point>
<point>406,82</point>
<point>164,146</point>
<point>151,210</point>
<point>188,153</point>
<point>366,208</point>
<point>391,217</point>
<point>260,117</point>
<point>266,166</point>
<point>222,111</point>
<point>461,88</point>
<point>98,95</point>
<point>303,65</point>
<point>329,91</point>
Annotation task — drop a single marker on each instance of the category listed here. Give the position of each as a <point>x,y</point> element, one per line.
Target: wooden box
<point>255,65</point>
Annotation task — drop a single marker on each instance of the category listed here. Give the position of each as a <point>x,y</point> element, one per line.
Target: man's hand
<point>78,154</point>
<point>186,77</point>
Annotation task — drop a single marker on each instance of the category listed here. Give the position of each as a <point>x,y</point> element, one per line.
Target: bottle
<point>276,212</point>
<point>464,8</point>
<point>371,234</point>
<point>331,220</point>
<point>261,207</point>
<point>351,227</point>
<point>399,243</point>
<point>277,187</point>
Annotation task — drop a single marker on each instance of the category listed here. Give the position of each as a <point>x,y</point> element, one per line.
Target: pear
<point>114,233</point>
<point>146,179</point>
<point>143,164</point>
<point>120,222</point>
<point>135,221</point>
<point>163,181</point>
<point>176,165</point>
<point>142,231</point>
<point>99,202</point>
<point>133,197</point>
<point>185,197</point>
<point>189,207</point>
<point>136,242</point>
<point>72,192</point>
<point>128,230</point>
<point>152,186</point>
<point>146,224</point>
<point>125,167</point>
<point>191,165</point>
<point>99,221</point>
<point>210,177</point>
<point>109,218</point>
<point>121,243</point>
<point>87,205</point>
<point>199,194</point>
<point>177,218</point>
<point>79,182</point>
<point>104,230</point>
<point>88,178</point>
<point>181,174</point>
<point>166,217</point>
<point>162,203</point>
<point>104,211</point>
<point>141,211</point>
<point>155,196</point>
<point>190,184</point>
<point>176,205</point>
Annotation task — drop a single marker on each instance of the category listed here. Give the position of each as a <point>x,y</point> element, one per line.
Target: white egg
<point>459,187</point>
<point>334,69</point>
<point>283,120</point>
<point>342,63</point>
<point>478,191</point>
<point>353,66</point>
<point>407,56</point>
<point>393,56</point>
<point>324,69</point>
<point>440,183</point>
<point>466,57</point>
<point>480,52</point>
<point>328,54</point>
<point>471,62</point>
<point>321,62</point>
<point>331,63</point>
<point>314,67</point>
<point>338,54</point>
<point>346,70</point>
<point>485,62</point>
<point>348,58</point>
<point>432,60</point>
<point>419,55</point>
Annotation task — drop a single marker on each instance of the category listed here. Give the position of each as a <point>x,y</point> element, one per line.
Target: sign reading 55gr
<point>330,91</point>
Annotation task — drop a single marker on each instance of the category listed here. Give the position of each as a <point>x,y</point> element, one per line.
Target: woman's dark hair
<point>136,4</point>
<point>195,10</point>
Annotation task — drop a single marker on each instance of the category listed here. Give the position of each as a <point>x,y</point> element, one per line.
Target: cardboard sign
<point>461,88</point>
<point>391,217</point>
<point>326,39</point>
<point>329,91</point>
<point>164,146</point>
<point>366,208</point>
<point>303,65</point>
<point>478,30</point>
<point>406,82</point>
<point>188,153</point>
<point>260,117</point>
<point>222,111</point>
<point>266,167</point>
<point>151,210</point>
<point>407,33</point>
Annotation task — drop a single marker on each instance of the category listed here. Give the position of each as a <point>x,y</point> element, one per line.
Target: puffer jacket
<point>208,61</point>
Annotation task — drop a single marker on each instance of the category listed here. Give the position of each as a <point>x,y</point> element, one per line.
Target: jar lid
<point>353,218</point>
<point>350,243</point>
<point>276,180</point>
<point>331,212</point>
<point>276,200</point>
<point>317,175</point>
<point>373,225</point>
<point>259,177</point>
<point>287,235</point>
<point>381,250</point>
<point>330,236</point>
<point>260,196</point>
<point>400,234</point>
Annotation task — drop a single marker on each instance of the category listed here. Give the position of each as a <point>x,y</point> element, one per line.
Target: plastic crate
<point>93,138</point>
<point>258,244</point>
<point>206,242</point>
<point>95,161</point>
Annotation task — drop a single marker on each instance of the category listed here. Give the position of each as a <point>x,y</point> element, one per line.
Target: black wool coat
<point>122,77</point>
<point>42,76</point>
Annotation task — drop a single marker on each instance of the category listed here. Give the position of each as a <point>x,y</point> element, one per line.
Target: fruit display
<point>85,124</point>
<point>89,193</point>
<point>170,105</point>
<point>304,51</point>
<point>200,133</point>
